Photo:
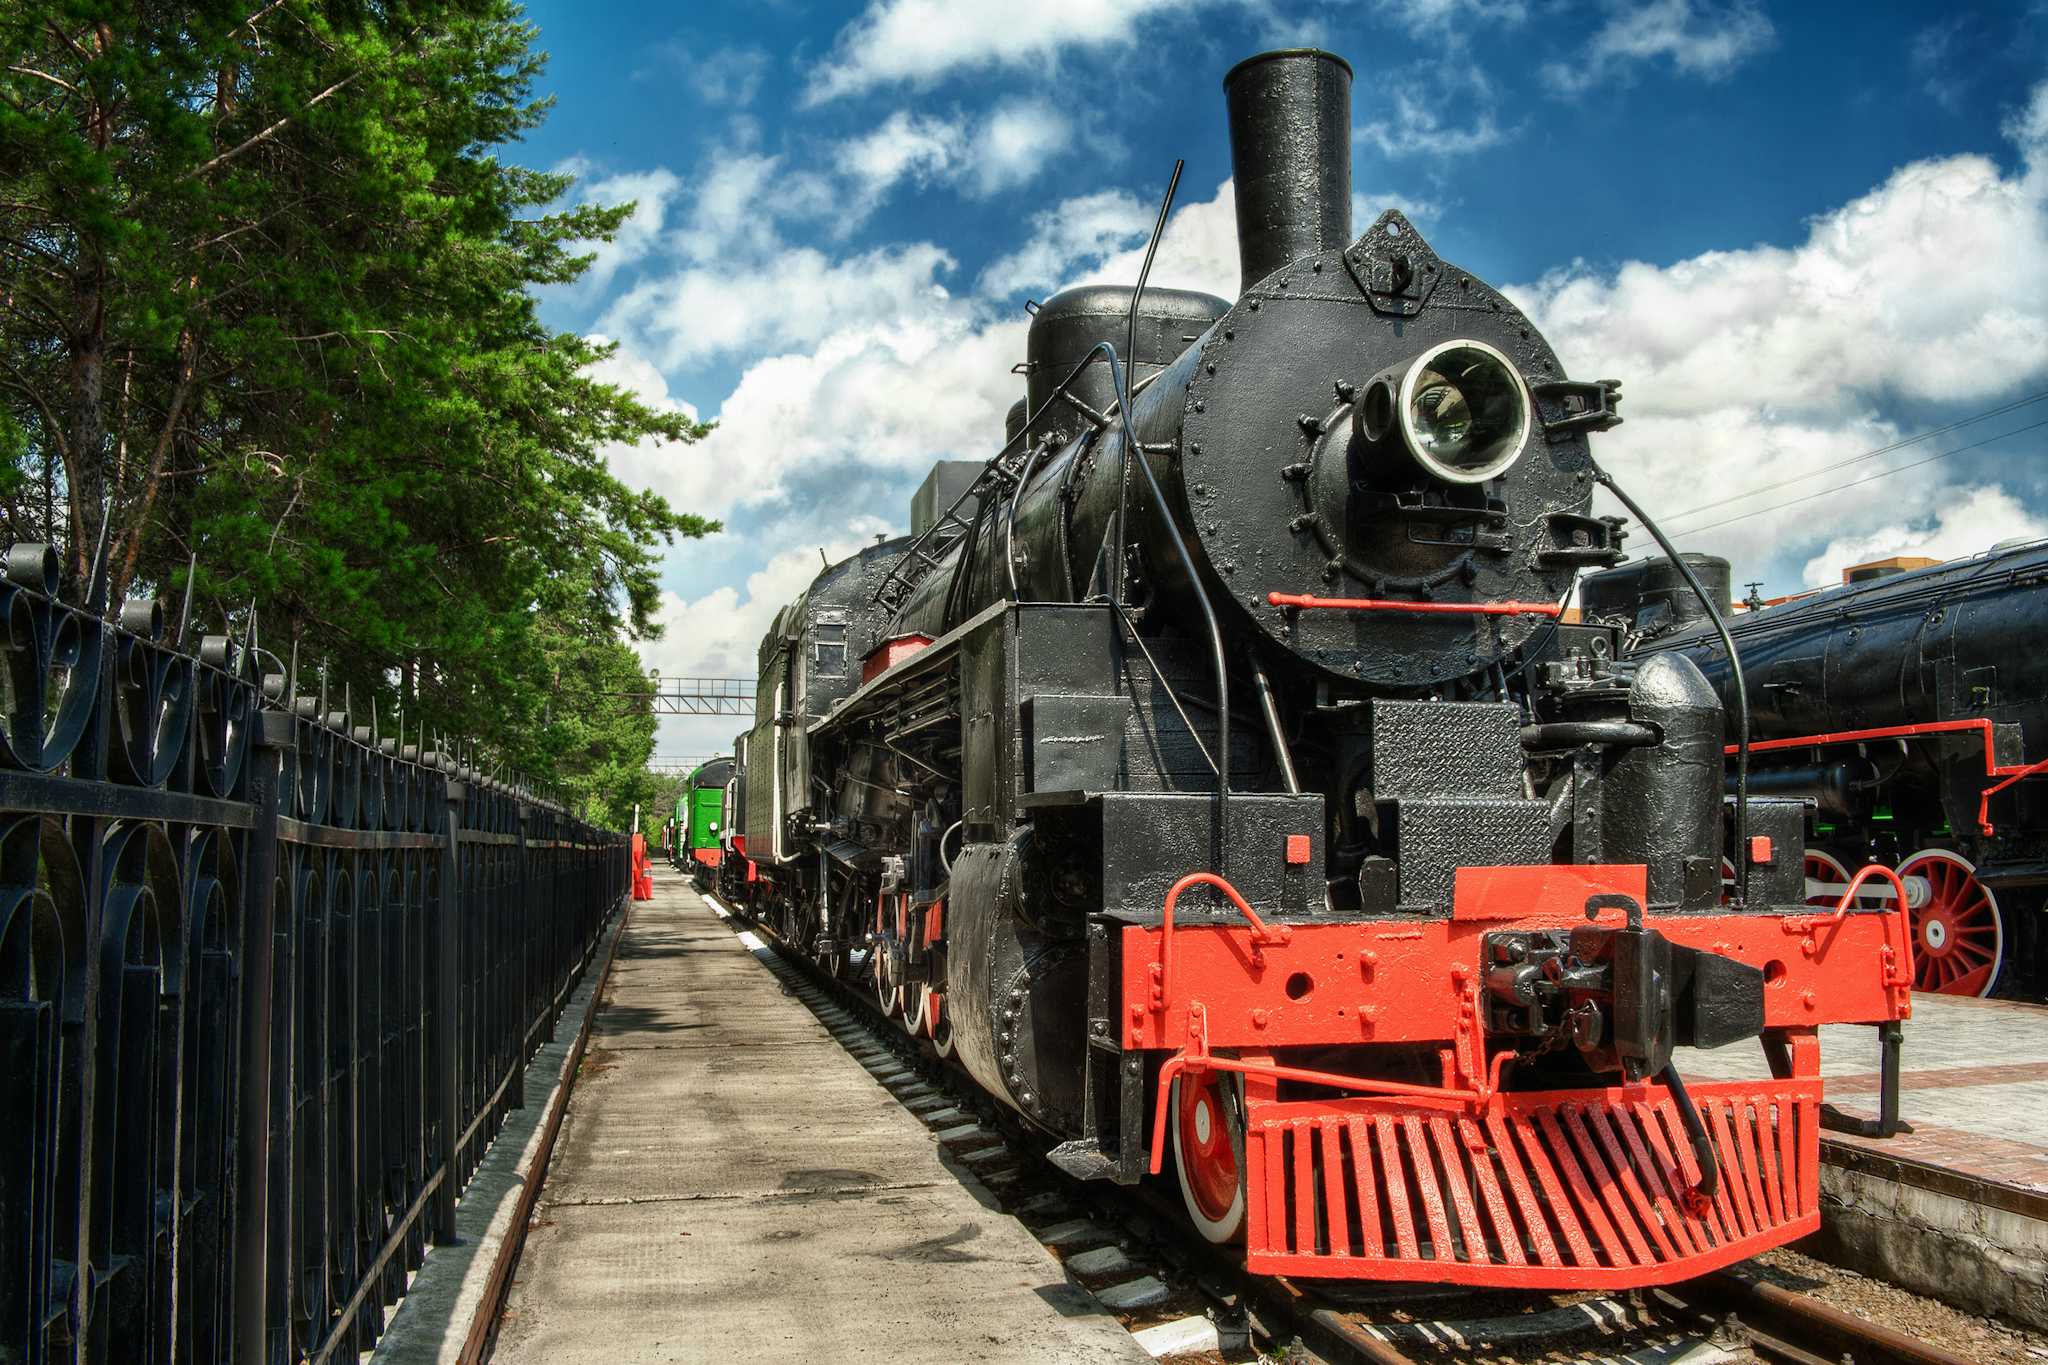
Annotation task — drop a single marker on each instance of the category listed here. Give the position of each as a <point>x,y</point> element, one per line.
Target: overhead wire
<point>1853,483</point>
<point>1872,454</point>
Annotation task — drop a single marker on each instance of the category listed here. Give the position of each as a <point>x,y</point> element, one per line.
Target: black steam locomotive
<point>1212,768</point>
<point>1904,709</point>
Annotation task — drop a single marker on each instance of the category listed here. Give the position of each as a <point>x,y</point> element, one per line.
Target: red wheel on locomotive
<point>1208,1152</point>
<point>1959,934</point>
<point>890,997</point>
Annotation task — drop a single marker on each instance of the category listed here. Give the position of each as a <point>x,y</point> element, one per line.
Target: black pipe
<point>1187,561</point>
<point>1276,731</point>
<point>1010,520</point>
<point>1123,473</point>
<point>1719,618</point>
<point>1290,157</point>
<point>1570,734</point>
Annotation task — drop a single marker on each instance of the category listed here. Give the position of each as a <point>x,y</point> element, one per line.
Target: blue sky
<point>1795,233</point>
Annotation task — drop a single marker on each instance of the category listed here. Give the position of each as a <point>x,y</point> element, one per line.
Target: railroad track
<point>1180,1296</point>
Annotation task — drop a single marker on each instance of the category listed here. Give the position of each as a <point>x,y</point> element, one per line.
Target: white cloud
<point>728,203</point>
<point>1967,521</point>
<point>1933,57</point>
<point>1700,38</point>
<point>905,145</point>
<point>1007,147</point>
<point>667,467</point>
<point>796,296</point>
<point>1016,142</point>
<point>1451,19</point>
<point>869,397</point>
<point>1088,227</point>
<point>729,77</point>
<point>1417,129</point>
<point>919,41</point>
<point>719,634</point>
<point>1765,363</point>
<point>1100,238</point>
<point>1198,250</point>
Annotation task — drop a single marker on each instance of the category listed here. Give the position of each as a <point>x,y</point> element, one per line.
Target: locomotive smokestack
<point>1290,153</point>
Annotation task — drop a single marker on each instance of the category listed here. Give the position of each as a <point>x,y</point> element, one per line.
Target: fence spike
<point>185,612</point>
<point>96,577</point>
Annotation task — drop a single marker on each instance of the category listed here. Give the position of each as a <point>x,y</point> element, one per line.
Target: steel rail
<point>1810,1321</point>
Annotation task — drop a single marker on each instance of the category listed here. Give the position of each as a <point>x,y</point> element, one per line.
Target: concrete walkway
<point>730,1185</point>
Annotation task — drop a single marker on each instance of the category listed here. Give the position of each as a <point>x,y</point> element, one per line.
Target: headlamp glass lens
<point>1466,413</point>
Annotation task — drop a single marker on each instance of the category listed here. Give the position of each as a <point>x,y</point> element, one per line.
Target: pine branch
<point>264,136</point>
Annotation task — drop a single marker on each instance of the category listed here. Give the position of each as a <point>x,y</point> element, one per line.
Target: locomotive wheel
<point>1959,934</point>
<point>889,997</point>
<point>1208,1152</point>
<point>942,1025</point>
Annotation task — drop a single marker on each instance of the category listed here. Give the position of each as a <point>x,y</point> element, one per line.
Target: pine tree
<point>266,303</point>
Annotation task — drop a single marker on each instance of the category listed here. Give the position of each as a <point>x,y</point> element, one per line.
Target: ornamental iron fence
<point>268,988</point>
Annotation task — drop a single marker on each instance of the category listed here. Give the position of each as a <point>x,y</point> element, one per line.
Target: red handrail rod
<point>2011,772</point>
<point>1260,932</point>
<point>1305,602</point>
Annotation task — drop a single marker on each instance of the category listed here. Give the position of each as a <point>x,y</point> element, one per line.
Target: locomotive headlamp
<point>1460,409</point>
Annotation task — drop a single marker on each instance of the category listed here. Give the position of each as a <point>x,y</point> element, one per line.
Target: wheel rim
<point>942,1026</point>
<point>1206,1137</point>
<point>1727,881</point>
<point>924,1019</point>
<point>1959,934</point>
<point>890,998</point>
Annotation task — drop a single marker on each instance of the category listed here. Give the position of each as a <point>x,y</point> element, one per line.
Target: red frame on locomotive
<point>1593,1188</point>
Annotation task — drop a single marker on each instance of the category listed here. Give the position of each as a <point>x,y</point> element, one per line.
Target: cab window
<point>828,649</point>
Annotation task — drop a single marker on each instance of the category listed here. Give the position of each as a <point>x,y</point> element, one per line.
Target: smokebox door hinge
<point>1393,267</point>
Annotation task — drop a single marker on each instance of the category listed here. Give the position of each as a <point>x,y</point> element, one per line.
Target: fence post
<point>448,1014</point>
<point>265,955</point>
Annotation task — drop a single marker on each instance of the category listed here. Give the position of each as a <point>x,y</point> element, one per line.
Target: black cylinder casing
<point>1662,802</point>
<point>1290,156</point>
<point>1832,787</point>
<point>1015,990</point>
